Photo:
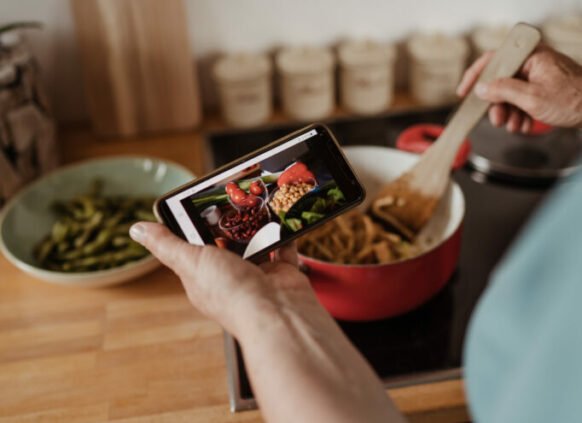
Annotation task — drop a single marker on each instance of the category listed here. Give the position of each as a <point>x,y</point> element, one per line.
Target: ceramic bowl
<point>27,217</point>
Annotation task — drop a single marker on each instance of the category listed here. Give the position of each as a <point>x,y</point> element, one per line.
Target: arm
<point>301,366</point>
<point>548,88</point>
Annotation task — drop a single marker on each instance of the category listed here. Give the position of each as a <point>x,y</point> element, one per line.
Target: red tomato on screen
<point>296,174</point>
<point>250,201</point>
<point>230,187</point>
<point>256,188</point>
<point>238,196</point>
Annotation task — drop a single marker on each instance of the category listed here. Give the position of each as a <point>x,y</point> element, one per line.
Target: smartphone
<point>266,198</point>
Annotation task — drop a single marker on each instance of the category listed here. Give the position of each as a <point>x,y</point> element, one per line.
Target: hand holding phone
<point>267,198</point>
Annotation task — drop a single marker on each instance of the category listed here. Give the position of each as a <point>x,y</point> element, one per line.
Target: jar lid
<point>365,53</point>
<point>565,28</point>
<point>437,47</point>
<point>241,67</point>
<point>304,60</point>
<point>489,37</point>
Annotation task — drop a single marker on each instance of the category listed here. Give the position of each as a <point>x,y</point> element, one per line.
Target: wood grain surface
<point>138,67</point>
<point>137,352</point>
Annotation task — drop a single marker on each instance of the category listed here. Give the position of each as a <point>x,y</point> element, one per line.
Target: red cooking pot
<point>370,292</point>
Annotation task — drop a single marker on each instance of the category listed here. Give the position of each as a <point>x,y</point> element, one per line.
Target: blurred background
<point>220,26</point>
<point>142,68</point>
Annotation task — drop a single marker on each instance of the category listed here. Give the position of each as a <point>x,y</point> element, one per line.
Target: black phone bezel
<point>165,216</point>
<point>335,160</point>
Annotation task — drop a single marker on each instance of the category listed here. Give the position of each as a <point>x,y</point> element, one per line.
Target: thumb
<point>172,251</point>
<point>521,94</point>
<point>287,254</point>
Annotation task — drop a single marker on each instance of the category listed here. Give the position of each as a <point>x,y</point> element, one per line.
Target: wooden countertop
<point>139,351</point>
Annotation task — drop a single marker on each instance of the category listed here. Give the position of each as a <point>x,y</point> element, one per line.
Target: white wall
<point>261,24</point>
<point>222,25</point>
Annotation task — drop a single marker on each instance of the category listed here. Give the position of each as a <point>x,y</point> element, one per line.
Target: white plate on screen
<point>267,235</point>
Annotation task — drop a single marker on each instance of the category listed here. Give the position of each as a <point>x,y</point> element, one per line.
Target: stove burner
<point>524,158</point>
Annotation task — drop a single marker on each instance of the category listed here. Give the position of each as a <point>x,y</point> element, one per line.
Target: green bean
<point>44,249</point>
<point>69,255</point>
<point>60,230</point>
<point>144,215</point>
<point>122,228</point>
<point>88,229</point>
<point>120,241</point>
<point>91,232</point>
<point>87,206</point>
<point>113,220</point>
<point>62,247</point>
<point>98,244</point>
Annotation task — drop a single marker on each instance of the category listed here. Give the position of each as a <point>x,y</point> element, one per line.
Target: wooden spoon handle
<point>505,62</point>
<point>419,189</point>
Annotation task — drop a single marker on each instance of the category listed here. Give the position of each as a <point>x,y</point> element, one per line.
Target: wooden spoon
<point>409,201</point>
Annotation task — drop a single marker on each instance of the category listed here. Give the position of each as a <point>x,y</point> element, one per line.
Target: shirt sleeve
<point>523,353</point>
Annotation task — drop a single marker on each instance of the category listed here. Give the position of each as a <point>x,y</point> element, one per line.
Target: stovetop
<point>425,344</point>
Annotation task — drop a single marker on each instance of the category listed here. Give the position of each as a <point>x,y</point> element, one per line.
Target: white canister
<point>366,76</point>
<point>437,63</point>
<point>485,38</point>
<point>244,86</point>
<point>307,82</point>
<point>565,35</point>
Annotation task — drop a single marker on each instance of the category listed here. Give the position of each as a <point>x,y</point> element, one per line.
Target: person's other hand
<point>548,88</point>
<point>221,284</point>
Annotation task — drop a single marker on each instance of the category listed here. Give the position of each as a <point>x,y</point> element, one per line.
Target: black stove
<point>425,344</point>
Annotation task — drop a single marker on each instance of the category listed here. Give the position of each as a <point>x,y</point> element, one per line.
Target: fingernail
<point>481,89</point>
<point>137,232</point>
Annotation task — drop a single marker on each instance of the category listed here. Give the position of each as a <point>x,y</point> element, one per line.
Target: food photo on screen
<point>268,201</point>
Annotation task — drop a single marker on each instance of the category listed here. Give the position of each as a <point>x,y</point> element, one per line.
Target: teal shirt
<point>523,354</point>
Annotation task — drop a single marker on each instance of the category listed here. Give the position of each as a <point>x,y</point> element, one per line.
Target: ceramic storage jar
<point>307,82</point>
<point>366,76</point>
<point>244,87</point>
<point>565,35</point>
<point>437,63</point>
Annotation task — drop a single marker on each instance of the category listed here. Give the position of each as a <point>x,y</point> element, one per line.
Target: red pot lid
<point>539,128</point>
<point>418,138</point>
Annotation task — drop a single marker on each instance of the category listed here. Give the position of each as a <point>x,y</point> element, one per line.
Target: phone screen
<point>269,197</point>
